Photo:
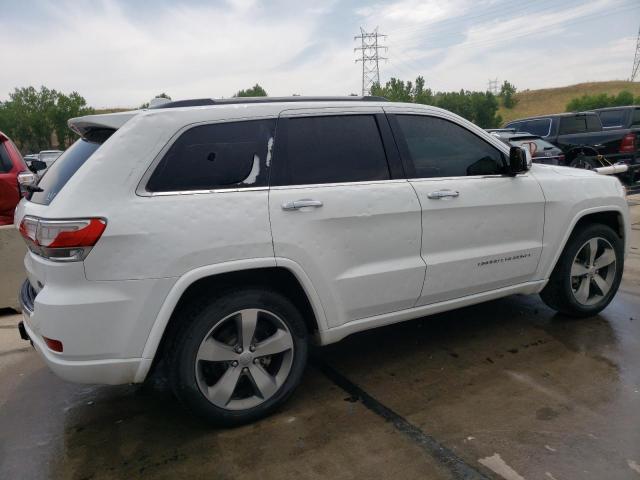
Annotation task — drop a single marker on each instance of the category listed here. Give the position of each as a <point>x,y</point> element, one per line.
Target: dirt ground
<point>503,390</point>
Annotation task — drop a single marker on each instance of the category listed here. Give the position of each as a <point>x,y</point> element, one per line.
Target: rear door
<point>482,229</point>
<point>342,211</point>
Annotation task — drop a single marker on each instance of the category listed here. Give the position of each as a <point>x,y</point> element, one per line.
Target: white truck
<point>211,240</point>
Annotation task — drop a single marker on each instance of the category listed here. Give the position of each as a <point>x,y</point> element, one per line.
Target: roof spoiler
<point>108,121</point>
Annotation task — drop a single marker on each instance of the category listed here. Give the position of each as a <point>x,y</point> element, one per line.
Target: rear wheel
<point>588,273</point>
<point>239,356</point>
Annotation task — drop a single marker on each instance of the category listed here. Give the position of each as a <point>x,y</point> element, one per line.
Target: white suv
<point>212,240</point>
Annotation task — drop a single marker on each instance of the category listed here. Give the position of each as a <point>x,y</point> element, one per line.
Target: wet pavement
<point>506,389</point>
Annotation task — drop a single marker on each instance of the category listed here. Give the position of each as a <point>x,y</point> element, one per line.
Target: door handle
<point>298,204</point>
<point>437,195</point>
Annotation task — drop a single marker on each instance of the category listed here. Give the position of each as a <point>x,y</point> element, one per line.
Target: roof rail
<point>199,102</point>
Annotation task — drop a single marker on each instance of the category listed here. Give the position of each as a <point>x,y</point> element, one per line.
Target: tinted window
<point>593,123</point>
<point>221,155</point>
<point>334,149</point>
<point>537,127</point>
<point>612,118</point>
<point>579,124</point>
<point>439,148</point>
<point>5,161</point>
<point>67,165</point>
<point>635,120</point>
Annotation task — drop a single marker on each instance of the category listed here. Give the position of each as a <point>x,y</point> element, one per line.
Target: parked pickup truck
<point>583,139</point>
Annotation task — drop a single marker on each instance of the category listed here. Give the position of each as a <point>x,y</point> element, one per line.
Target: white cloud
<point>115,59</point>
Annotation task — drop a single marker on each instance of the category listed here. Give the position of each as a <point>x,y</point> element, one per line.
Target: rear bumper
<point>110,371</point>
<point>89,330</point>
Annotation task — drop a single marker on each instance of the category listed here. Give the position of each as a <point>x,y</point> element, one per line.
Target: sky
<point>120,53</point>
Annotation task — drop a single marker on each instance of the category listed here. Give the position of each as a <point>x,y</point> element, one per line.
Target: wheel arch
<point>284,275</point>
<point>611,215</point>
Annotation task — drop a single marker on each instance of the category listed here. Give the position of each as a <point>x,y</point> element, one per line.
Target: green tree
<point>255,91</point>
<point>601,100</point>
<point>508,94</point>
<point>30,117</point>
<point>67,106</point>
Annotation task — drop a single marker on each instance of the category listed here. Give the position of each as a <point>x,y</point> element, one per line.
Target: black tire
<point>558,293</point>
<point>197,323</point>
<point>584,162</point>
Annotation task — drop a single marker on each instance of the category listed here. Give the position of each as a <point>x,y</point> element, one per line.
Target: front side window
<point>439,148</point>
<point>334,149</point>
<point>217,156</point>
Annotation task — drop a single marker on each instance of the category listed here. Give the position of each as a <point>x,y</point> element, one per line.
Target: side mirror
<point>37,165</point>
<point>519,160</point>
<point>27,180</point>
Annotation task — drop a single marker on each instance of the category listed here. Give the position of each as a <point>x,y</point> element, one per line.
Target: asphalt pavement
<point>502,390</point>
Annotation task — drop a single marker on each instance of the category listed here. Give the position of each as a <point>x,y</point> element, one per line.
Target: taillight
<point>628,144</point>
<point>62,240</point>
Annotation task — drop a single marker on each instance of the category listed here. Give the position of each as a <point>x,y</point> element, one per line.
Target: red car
<point>11,164</point>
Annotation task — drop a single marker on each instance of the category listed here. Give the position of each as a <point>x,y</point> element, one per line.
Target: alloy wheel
<point>593,271</point>
<point>244,359</point>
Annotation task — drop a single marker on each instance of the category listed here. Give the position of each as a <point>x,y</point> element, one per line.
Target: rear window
<point>58,174</point>
<point>540,145</point>
<point>612,118</point>
<point>539,127</point>
<point>579,124</point>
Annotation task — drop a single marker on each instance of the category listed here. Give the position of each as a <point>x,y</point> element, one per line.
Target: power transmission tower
<point>493,86</point>
<point>369,48</point>
<point>636,59</point>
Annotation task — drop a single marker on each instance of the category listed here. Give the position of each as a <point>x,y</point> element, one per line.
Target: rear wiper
<point>33,189</point>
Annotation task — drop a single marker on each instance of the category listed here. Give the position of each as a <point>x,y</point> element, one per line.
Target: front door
<point>482,229</point>
<point>338,212</point>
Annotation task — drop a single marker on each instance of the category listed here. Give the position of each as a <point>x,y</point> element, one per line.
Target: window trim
<point>279,169</point>
<point>408,164</point>
<point>141,188</point>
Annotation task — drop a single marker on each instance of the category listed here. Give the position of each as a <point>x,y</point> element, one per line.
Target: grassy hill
<point>554,100</point>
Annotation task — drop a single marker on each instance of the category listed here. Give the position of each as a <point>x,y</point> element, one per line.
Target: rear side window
<point>58,174</point>
<point>216,156</point>
<point>635,120</point>
<point>538,127</point>
<point>5,160</point>
<point>440,148</point>
<point>334,149</point>
<point>612,118</point>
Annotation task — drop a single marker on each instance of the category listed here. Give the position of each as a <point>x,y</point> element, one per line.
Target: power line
<point>369,48</point>
<point>636,59</point>
<point>493,86</point>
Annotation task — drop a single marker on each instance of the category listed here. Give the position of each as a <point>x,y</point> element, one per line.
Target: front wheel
<point>588,273</point>
<point>239,356</point>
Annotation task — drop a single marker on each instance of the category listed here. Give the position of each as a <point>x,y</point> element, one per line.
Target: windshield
<point>64,168</point>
